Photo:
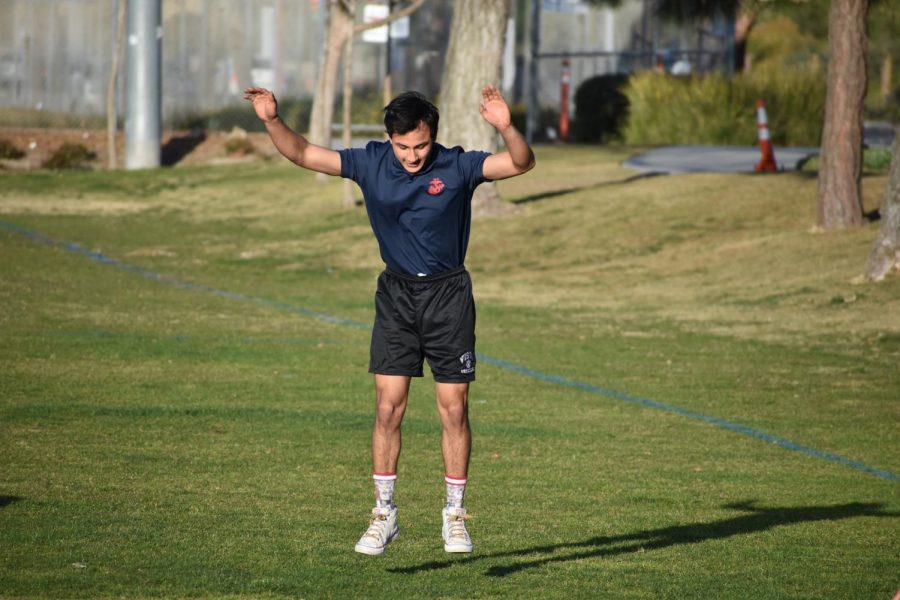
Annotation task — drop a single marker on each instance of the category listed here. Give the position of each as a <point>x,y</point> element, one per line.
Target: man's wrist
<point>504,129</point>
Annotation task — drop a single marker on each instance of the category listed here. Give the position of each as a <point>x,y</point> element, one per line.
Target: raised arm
<point>518,157</point>
<point>291,144</point>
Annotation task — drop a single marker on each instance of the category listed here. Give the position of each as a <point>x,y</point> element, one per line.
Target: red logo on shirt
<point>436,187</point>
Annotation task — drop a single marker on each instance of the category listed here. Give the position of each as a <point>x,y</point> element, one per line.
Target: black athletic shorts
<point>420,318</point>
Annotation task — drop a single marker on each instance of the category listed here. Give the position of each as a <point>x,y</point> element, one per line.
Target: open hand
<point>264,103</point>
<point>494,108</point>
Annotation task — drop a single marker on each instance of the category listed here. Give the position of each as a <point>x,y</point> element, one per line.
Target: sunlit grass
<point>180,424</point>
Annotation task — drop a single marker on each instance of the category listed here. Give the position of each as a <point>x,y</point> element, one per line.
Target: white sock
<point>384,489</point>
<point>456,489</point>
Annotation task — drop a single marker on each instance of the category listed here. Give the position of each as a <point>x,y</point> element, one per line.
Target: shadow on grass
<point>554,193</point>
<point>7,500</point>
<point>756,520</point>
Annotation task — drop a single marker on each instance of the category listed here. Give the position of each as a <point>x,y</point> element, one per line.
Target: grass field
<point>683,392</point>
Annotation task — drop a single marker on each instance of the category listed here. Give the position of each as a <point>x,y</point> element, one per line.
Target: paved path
<point>738,159</point>
<point>717,159</point>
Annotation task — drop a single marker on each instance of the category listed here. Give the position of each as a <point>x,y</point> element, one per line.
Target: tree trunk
<point>322,112</point>
<point>886,79</point>
<point>339,19</point>
<point>885,255</point>
<point>473,60</point>
<point>349,186</point>
<point>840,173</point>
<point>341,25</point>
<point>746,19</point>
<point>112,116</point>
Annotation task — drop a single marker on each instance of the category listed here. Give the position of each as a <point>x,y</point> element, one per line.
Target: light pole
<point>143,98</point>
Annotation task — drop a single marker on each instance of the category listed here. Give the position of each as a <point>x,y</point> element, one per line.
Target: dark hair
<point>407,110</point>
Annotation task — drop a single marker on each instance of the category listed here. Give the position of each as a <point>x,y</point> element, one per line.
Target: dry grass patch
<point>89,206</point>
<point>734,253</point>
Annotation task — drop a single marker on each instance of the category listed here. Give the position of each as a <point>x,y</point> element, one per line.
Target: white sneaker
<point>382,530</point>
<point>456,538</point>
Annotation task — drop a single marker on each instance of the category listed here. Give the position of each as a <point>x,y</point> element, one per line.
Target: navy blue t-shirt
<point>421,220</point>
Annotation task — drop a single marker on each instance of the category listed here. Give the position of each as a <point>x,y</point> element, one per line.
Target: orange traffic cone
<point>767,162</point>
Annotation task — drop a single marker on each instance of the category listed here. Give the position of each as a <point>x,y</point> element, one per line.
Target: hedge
<point>713,109</point>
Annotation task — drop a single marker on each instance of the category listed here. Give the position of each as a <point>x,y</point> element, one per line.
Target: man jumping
<point>418,196</point>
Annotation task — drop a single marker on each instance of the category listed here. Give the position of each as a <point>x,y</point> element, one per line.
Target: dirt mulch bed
<point>178,147</point>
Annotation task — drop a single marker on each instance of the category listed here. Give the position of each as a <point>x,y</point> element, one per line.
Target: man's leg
<point>456,445</point>
<point>456,439</point>
<point>391,394</point>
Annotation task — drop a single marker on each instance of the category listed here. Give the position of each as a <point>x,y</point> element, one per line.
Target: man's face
<point>412,148</point>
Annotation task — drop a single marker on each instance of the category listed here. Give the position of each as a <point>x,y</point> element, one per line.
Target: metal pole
<point>50,96</point>
<point>388,92</point>
<point>28,78</point>
<point>533,111</point>
<point>565,81</point>
<point>279,47</point>
<point>204,87</point>
<point>143,100</point>
<point>183,101</point>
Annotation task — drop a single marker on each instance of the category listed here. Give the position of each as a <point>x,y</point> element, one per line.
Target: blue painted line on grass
<point>120,264</point>
<point>513,367</point>
<point>684,412</point>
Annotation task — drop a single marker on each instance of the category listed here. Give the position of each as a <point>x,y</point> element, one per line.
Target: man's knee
<point>453,404</point>
<point>391,394</point>
<point>389,413</point>
<point>455,417</point>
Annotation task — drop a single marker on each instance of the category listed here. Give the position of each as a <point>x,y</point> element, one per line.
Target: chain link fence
<point>55,55</point>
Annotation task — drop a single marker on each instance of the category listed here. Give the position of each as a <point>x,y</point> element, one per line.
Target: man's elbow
<point>524,168</point>
<point>296,155</point>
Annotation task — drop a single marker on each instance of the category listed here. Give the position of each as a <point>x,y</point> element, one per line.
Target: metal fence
<point>56,54</point>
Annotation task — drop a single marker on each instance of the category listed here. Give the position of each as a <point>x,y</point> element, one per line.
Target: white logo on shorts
<point>468,362</point>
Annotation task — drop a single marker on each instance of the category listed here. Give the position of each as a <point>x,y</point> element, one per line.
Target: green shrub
<point>296,112</point>
<point>711,109</point>
<point>367,108</point>
<point>70,156</point>
<point>795,104</point>
<point>875,160</point>
<point>600,109</point>
<point>8,150</point>
<point>688,110</point>
<point>882,109</point>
